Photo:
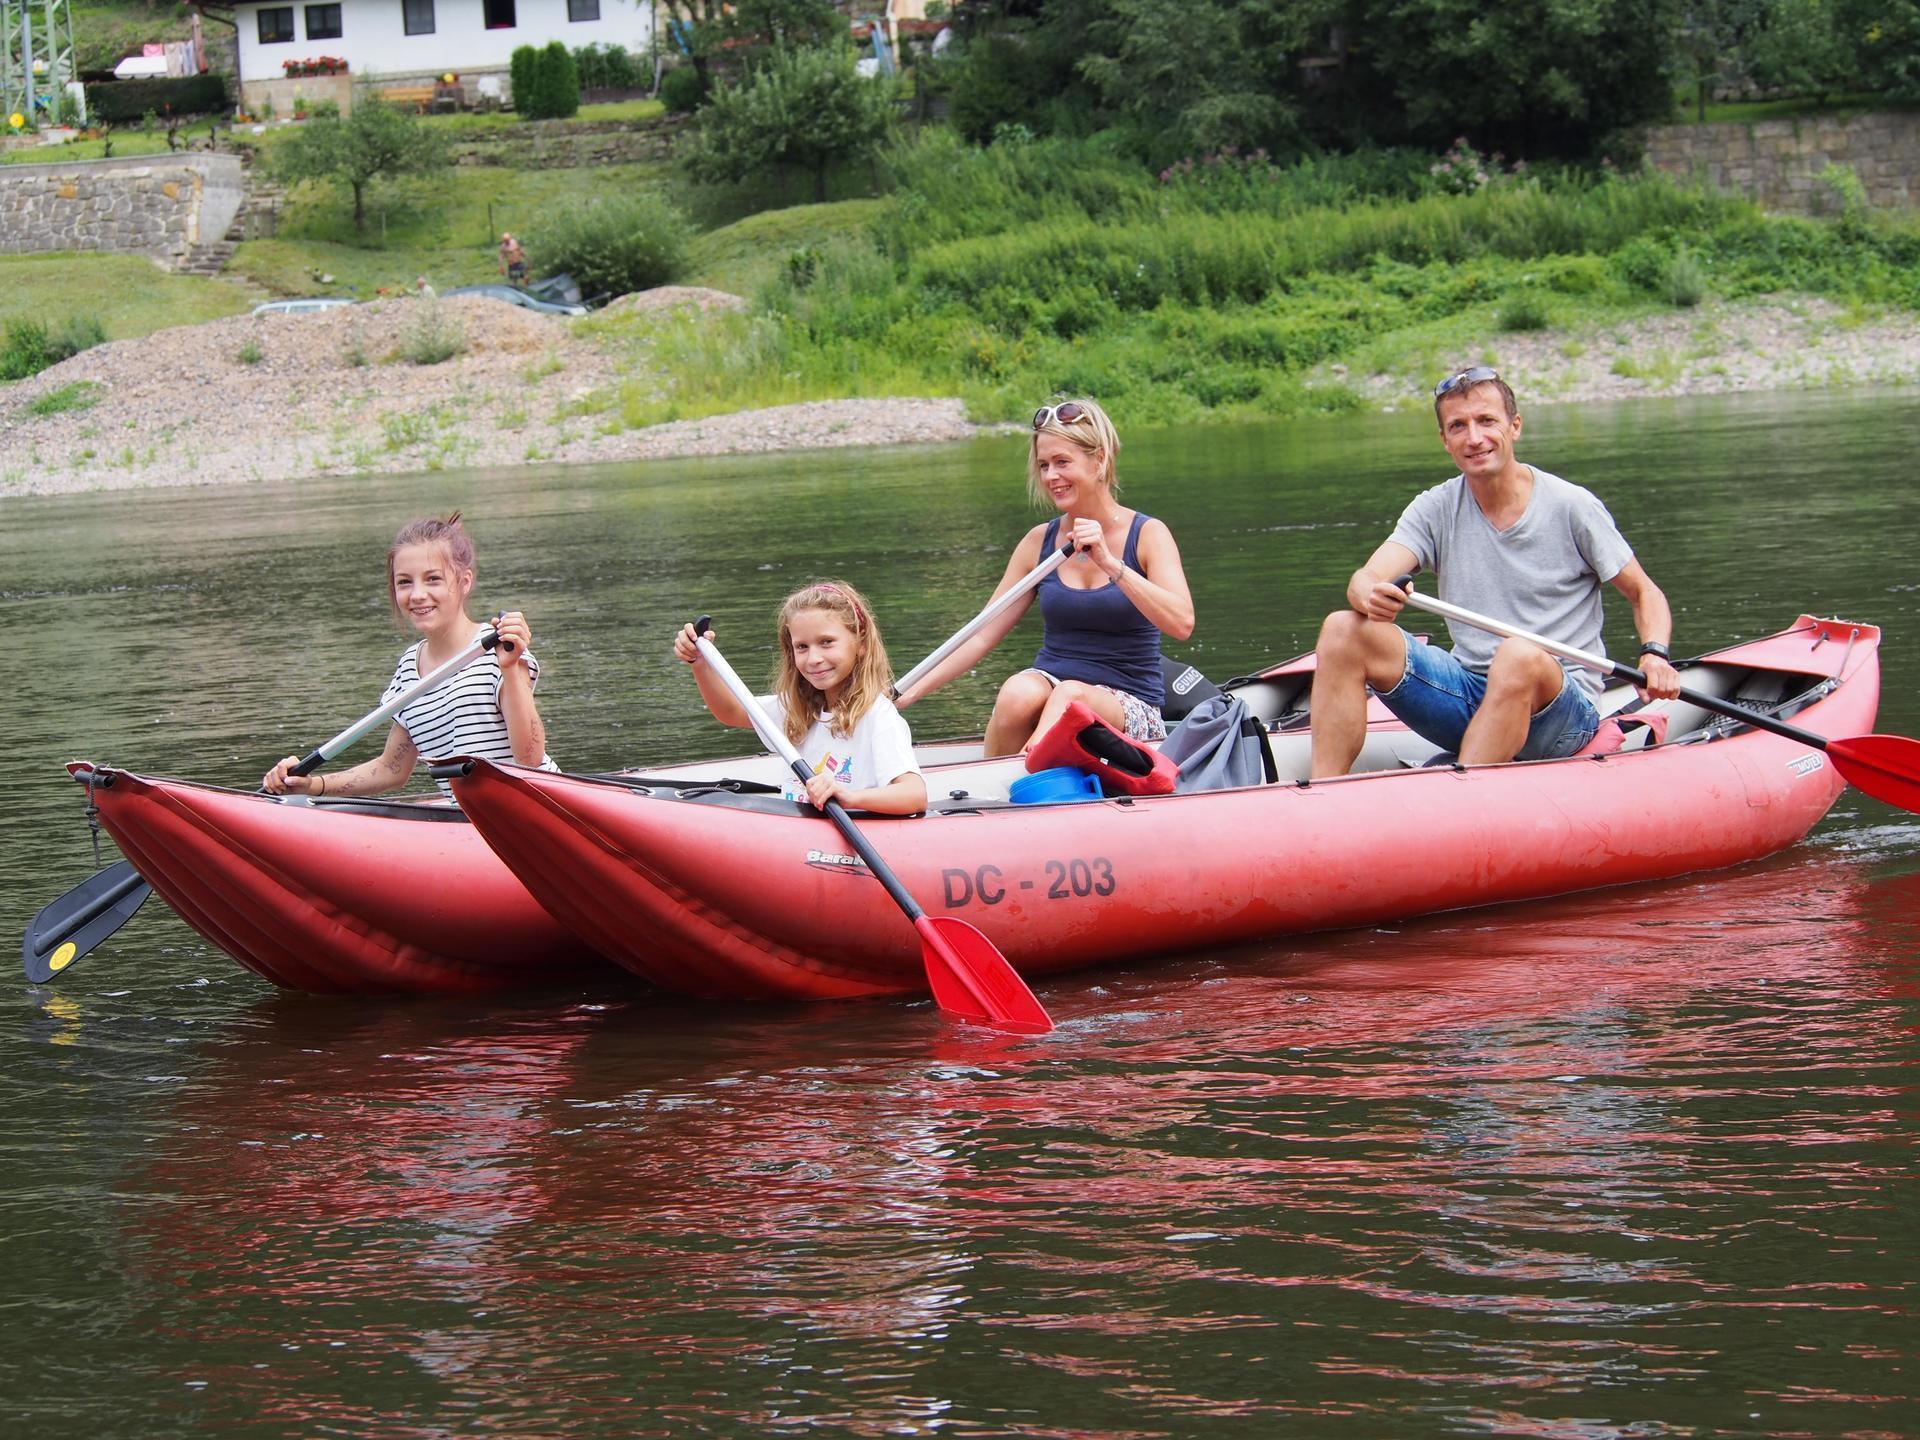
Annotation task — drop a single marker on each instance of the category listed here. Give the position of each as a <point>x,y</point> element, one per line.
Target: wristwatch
<point>1655,647</point>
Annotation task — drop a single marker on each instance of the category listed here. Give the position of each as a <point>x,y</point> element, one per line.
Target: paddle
<point>79,920</point>
<point>967,631</point>
<point>1886,767</point>
<point>968,976</point>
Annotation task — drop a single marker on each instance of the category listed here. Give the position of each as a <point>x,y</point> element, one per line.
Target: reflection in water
<point>1546,1171</point>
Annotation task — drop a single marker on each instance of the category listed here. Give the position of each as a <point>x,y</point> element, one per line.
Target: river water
<point>1637,1163</point>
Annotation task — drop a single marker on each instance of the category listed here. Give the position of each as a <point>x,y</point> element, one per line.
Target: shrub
<point>1685,282</point>
<point>520,77</point>
<point>682,90</point>
<point>556,84</point>
<point>248,353</point>
<point>608,67</point>
<point>28,346</point>
<point>807,109</point>
<point>615,245</point>
<point>1525,311</point>
<point>432,334</point>
<point>116,100</point>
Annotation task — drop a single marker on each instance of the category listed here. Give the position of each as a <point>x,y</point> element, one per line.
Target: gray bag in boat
<point>1220,746</point>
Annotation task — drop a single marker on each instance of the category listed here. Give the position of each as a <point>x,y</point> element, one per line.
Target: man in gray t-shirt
<point>1515,543</point>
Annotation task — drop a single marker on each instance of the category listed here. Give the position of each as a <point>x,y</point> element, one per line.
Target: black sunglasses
<point>1478,375</point>
<point>1066,414</point>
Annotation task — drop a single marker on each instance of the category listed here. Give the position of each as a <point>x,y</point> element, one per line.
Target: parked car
<point>514,295</point>
<point>310,306</point>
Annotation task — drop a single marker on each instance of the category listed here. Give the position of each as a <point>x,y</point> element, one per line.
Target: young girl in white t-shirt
<point>486,709</point>
<point>830,697</point>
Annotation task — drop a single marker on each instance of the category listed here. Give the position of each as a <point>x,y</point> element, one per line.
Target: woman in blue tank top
<point>1104,610</point>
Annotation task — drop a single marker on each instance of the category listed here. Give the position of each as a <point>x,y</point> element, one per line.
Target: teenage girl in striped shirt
<point>487,709</point>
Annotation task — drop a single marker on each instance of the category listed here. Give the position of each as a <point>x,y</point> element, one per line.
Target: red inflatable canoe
<point>363,896</point>
<point>736,895</point>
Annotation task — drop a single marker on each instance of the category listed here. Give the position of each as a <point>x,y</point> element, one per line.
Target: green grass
<point>433,225</point>
<point>744,256</point>
<point>125,145</point>
<point>78,395</point>
<point>1751,112</point>
<point>132,296</point>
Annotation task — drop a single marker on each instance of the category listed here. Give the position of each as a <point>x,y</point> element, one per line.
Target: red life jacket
<point>1084,741</point>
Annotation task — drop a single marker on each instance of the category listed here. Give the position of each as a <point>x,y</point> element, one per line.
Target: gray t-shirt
<point>1543,573</point>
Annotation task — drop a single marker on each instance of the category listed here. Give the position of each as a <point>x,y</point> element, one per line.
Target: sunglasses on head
<point>1478,375</point>
<point>1063,414</point>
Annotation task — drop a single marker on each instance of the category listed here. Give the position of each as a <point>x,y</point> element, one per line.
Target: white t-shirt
<point>462,717</point>
<point>879,751</point>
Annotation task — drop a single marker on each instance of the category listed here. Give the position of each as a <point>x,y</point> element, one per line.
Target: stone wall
<point>570,144</point>
<point>1779,162</point>
<point>156,205</point>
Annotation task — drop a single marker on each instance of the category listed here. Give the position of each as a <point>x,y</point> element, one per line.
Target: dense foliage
<point>1541,78</point>
<point>28,346</point>
<point>375,141</point>
<point>615,245</point>
<point>801,108</point>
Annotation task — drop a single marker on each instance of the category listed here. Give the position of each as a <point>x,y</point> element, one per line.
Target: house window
<point>583,9</point>
<point>323,22</point>
<point>499,14</point>
<point>276,25</point>
<point>417,16</point>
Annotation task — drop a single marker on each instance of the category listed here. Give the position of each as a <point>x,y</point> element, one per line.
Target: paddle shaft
<point>1616,669</point>
<point>973,627</point>
<point>60,927</point>
<point>426,684</point>
<point>783,747</point>
<point>953,952</point>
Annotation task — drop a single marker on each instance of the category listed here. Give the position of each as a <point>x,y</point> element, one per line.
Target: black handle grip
<point>450,769</point>
<point>487,642</point>
<point>309,763</point>
<point>702,625</point>
<point>1400,582</point>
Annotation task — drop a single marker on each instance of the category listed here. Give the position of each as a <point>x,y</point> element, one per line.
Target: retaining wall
<point>156,205</point>
<point>1779,162</point>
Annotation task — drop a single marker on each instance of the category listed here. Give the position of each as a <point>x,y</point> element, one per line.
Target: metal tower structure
<point>36,60</point>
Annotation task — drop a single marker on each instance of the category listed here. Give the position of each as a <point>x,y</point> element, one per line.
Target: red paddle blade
<point>971,978</point>
<point>1886,767</point>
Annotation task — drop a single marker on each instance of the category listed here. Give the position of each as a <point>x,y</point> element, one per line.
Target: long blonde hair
<point>1091,430</point>
<point>871,677</point>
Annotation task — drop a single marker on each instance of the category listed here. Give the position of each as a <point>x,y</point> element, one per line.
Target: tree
<point>786,22</point>
<point>522,66</point>
<point>374,141</point>
<point>556,84</point>
<point>801,108</point>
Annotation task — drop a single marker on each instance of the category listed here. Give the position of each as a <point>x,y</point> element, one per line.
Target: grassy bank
<point>1230,290</point>
<point>127,294</point>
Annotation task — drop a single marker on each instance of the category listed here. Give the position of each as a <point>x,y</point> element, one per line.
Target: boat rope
<point>93,816</point>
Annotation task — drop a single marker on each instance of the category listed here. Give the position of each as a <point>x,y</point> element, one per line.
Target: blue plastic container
<point>1061,785</point>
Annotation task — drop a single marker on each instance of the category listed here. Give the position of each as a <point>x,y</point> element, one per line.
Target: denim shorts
<point>1437,696</point>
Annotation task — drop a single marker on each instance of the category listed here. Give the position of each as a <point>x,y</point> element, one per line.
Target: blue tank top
<point>1099,636</point>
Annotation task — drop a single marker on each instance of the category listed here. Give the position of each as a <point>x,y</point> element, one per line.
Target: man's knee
<point>1521,667</point>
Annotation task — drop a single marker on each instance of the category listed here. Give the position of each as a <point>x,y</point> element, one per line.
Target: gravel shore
<point>278,397</point>
<point>282,396</point>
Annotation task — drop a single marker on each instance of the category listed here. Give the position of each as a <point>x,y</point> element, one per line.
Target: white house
<point>393,42</point>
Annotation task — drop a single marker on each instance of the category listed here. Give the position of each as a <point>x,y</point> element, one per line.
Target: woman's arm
<point>1158,589</point>
<point>713,690</point>
<point>524,728</point>
<point>388,770</point>
<point>903,795</point>
<point>1025,556</point>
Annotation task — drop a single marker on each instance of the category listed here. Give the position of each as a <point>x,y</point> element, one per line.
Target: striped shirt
<point>463,716</point>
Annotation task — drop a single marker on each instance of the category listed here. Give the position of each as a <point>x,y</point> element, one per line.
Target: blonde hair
<point>446,533</point>
<point>871,677</point>
<point>1091,430</point>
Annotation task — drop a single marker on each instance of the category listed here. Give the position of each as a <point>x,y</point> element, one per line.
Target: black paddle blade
<point>1886,767</point>
<point>80,919</point>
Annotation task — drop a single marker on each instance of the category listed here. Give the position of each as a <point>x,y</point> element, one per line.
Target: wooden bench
<point>419,98</point>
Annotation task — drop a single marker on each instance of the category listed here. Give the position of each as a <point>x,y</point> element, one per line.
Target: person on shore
<point>830,698</point>
<point>1104,610</point>
<point>423,289</point>
<point>513,259</point>
<point>486,709</point>
<point>1511,541</point>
